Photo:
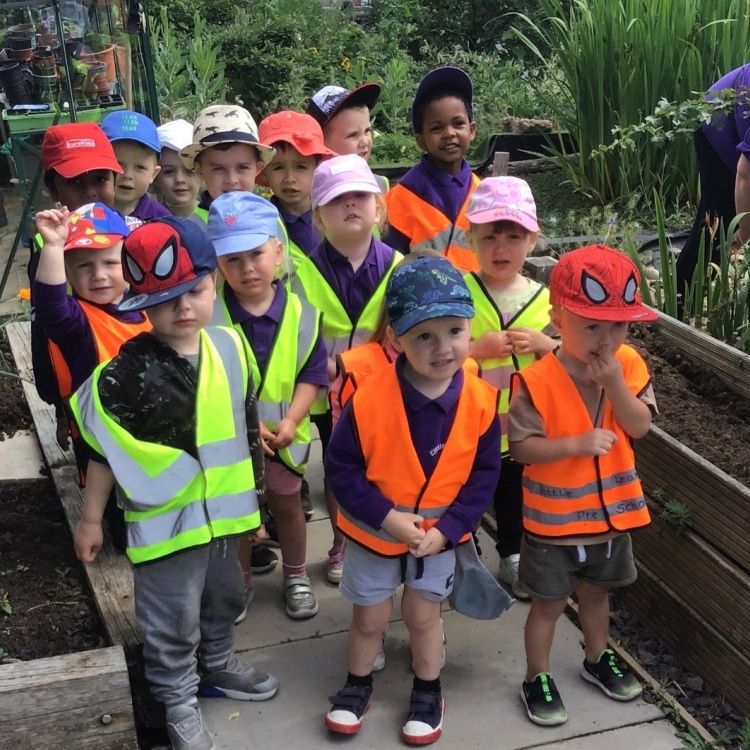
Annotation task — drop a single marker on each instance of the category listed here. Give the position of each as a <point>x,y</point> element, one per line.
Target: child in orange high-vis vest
<point>573,415</point>
<point>413,462</point>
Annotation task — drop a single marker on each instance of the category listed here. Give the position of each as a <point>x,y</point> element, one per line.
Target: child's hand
<point>266,438</point>
<point>332,369</point>
<point>259,535</point>
<point>605,370</point>
<point>530,341</point>
<point>87,540</point>
<point>52,224</point>
<point>598,442</point>
<point>283,434</point>
<point>434,541</point>
<point>492,345</point>
<point>406,527</point>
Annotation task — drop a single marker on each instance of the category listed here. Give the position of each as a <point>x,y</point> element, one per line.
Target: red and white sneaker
<point>425,722</point>
<point>348,709</point>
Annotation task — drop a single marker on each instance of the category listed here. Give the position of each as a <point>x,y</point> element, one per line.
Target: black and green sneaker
<point>542,700</point>
<point>612,677</point>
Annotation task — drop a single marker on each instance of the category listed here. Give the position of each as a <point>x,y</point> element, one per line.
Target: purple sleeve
<point>475,496</point>
<point>315,370</point>
<point>345,472</point>
<point>398,240</point>
<point>59,315</point>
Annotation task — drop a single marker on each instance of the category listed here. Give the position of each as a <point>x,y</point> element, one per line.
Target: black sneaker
<point>612,677</point>
<point>348,709</point>
<point>542,700</point>
<point>263,560</point>
<point>424,724</point>
<point>307,506</point>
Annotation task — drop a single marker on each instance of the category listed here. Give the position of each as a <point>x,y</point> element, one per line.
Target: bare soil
<point>14,412</point>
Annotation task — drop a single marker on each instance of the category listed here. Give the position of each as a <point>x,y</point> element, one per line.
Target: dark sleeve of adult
<point>397,240</point>
<point>255,443</point>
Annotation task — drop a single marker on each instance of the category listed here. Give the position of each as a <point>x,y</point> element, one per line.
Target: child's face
<point>350,132</point>
<point>251,273</point>
<point>177,186</point>
<point>179,321</point>
<point>583,339</point>
<point>435,350</point>
<point>230,170</point>
<point>141,166</point>
<point>290,177</point>
<point>501,247</point>
<point>96,275</point>
<point>446,133</point>
<point>348,217</point>
<point>89,187</point>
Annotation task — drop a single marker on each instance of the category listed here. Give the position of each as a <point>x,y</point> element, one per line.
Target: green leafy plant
<point>5,605</point>
<point>676,514</point>
<point>743,736</point>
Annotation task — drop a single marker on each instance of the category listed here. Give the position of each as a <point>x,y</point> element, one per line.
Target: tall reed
<point>619,58</point>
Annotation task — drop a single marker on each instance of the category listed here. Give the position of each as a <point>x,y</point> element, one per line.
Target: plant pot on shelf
<point>43,60</point>
<point>16,82</point>
<point>21,55</point>
<point>44,87</point>
<point>96,82</point>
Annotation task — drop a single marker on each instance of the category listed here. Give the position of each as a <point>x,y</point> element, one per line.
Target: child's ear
<point>393,340</point>
<point>157,169</point>
<point>419,138</point>
<point>555,316</point>
<point>316,220</point>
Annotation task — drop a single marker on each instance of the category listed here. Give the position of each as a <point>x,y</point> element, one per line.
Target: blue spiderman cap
<point>425,289</point>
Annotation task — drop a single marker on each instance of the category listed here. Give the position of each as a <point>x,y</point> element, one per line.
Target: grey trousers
<point>186,604</point>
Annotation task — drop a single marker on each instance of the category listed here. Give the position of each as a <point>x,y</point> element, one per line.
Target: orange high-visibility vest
<point>429,228</point>
<point>392,463</point>
<point>581,495</point>
<point>109,334</point>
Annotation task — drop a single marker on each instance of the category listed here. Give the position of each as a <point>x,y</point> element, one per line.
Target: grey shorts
<point>370,579</point>
<point>547,570</point>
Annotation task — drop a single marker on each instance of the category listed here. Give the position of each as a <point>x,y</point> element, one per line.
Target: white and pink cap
<point>503,199</point>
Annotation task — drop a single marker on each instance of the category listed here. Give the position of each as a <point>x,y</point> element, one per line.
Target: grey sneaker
<point>249,596</point>
<point>185,728</point>
<point>508,573</point>
<point>239,681</point>
<point>300,598</point>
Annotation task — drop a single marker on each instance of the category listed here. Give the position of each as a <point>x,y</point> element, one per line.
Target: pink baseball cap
<point>503,199</point>
<point>339,175</point>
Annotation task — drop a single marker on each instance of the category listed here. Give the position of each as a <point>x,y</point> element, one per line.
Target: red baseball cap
<point>599,283</point>
<point>299,130</point>
<point>77,148</point>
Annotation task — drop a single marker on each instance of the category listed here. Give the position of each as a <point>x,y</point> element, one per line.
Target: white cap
<point>175,134</point>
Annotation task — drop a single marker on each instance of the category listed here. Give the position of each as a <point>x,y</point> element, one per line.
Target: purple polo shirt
<point>730,134</point>
<point>430,422</point>
<point>353,288</point>
<point>260,331</point>
<point>444,191</point>
<point>148,208</point>
<point>65,323</point>
<point>301,230</point>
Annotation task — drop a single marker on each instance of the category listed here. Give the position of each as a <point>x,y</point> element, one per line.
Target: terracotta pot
<point>43,61</point>
<point>96,81</point>
<point>106,56</point>
<point>21,55</point>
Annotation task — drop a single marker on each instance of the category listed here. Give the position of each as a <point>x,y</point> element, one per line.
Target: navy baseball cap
<point>438,78</point>
<point>163,259</point>
<point>126,125</point>
<point>425,289</point>
<point>240,221</point>
<point>327,102</point>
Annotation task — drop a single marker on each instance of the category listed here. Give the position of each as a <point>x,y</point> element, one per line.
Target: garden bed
<point>14,412</point>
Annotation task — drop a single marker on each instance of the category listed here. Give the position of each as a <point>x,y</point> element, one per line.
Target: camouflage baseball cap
<point>425,289</point>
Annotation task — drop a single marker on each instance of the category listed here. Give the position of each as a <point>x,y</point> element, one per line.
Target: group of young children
<point>191,344</point>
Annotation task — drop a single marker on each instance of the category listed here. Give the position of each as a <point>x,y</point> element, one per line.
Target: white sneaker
<point>249,596</point>
<point>508,573</point>
<point>185,728</point>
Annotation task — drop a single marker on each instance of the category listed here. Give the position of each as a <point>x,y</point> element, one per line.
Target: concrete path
<point>481,680</point>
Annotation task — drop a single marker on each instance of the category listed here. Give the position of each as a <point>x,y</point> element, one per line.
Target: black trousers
<point>508,502</point>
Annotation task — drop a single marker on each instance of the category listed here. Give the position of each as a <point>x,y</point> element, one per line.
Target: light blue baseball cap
<point>240,221</point>
<point>126,125</point>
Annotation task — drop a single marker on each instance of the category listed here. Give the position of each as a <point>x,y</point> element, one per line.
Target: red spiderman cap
<point>163,259</point>
<point>599,283</point>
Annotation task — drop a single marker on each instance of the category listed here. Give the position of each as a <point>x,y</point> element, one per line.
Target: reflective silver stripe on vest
<point>439,241</point>
<point>306,333</point>
<point>150,531</point>
<point>227,507</point>
<point>299,452</point>
<point>384,535</point>
<point>224,341</point>
<point>223,452</point>
<point>572,493</point>
<point>499,377</point>
<point>269,411</point>
<point>585,514</point>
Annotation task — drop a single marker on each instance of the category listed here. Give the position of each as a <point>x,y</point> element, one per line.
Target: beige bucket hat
<point>224,123</point>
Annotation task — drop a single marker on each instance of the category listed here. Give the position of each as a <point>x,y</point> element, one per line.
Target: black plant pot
<point>16,82</point>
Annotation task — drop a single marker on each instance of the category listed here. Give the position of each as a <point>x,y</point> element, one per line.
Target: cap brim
<point>81,244</point>
<point>189,153</point>
<point>239,243</point>
<point>74,167</point>
<point>137,301</point>
<point>444,77</point>
<point>136,139</point>
<point>491,215</point>
<point>420,314</point>
<point>349,187</point>
<point>365,95</point>
<point>639,313</point>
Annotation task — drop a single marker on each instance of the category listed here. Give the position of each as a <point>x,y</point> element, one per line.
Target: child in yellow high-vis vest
<point>289,362</point>
<point>510,330</point>
<point>573,416</point>
<point>172,422</point>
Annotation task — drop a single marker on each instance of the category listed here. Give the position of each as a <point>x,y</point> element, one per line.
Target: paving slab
<point>481,680</point>
<point>20,457</point>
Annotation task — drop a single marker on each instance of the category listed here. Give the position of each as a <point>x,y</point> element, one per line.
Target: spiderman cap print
<point>599,283</point>
<point>163,259</point>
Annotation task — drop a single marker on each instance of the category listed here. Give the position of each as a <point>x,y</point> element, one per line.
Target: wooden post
<point>73,701</point>
<point>500,163</point>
